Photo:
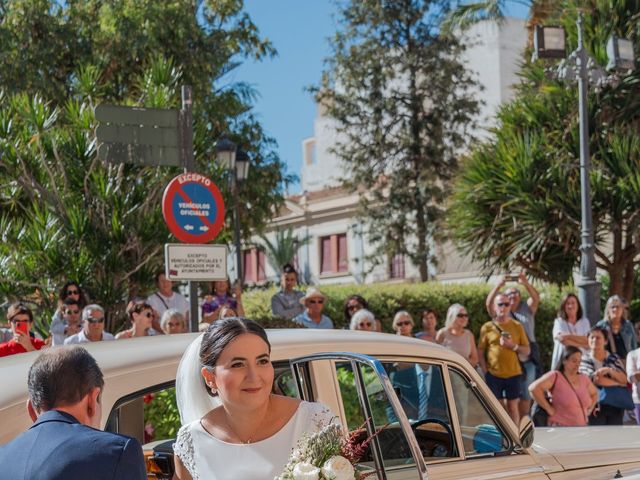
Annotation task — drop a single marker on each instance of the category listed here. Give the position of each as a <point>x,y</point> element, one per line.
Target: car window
<point>480,432</point>
<point>421,392</point>
<point>152,414</point>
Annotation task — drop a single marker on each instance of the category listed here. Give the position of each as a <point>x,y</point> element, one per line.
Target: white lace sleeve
<point>183,448</point>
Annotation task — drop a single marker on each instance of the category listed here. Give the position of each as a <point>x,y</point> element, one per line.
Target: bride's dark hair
<point>221,333</point>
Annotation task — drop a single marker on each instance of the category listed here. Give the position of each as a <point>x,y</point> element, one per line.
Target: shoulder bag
<point>539,416</point>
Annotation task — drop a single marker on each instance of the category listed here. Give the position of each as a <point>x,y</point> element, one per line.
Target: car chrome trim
<point>377,367</point>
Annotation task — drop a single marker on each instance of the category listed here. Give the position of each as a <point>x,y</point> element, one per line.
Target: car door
<point>371,403</point>
<point>431,417</point>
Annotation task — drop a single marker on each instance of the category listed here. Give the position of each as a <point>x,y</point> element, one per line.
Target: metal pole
<point>236,215</point>
<point>588,286</point>
<point>186,144</point>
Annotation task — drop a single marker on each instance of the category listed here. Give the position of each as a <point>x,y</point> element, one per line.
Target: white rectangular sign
<point>195,262</point>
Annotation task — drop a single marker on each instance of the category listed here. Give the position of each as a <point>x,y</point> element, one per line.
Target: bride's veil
<point>191,395</point>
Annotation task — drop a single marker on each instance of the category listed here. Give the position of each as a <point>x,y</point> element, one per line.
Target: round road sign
<point>193,208</point>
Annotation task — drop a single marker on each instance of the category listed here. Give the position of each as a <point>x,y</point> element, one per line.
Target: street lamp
<point>236,162</point>
<point>549,42</point>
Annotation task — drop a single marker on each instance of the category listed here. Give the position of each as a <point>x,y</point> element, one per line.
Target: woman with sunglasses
<point>621,336</point>
<point>456,336</point>
<point>403,323</point>
<point>141,316</point>
<point>71,290</point>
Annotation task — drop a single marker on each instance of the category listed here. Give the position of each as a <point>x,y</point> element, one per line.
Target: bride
<point>233,426</point>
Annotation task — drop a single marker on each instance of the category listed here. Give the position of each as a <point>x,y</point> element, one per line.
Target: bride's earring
<point>213,389</point>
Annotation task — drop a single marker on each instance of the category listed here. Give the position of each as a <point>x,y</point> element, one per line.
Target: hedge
<point>386,299</point>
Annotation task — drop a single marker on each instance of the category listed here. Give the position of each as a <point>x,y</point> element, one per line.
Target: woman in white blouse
<point>569,328</point>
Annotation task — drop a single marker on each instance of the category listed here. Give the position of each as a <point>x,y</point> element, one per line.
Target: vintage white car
<point>442,422</point>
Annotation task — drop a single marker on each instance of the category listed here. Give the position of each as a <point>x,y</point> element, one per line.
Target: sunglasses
<point>462,315</point>
<point>366,324</point>
<point>403,324</point>
<point>148,315</point>
<point>174,324</point>
<point>95,320</point>
<point>501,304</point>
<point>313,302</point>
<point>354,306</point>
<point>73,292</point>
<point>73,312</point>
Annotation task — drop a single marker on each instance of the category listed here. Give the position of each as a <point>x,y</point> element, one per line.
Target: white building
<point>338,251</point>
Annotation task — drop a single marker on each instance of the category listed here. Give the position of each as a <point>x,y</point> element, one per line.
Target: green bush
<point>386,299</point>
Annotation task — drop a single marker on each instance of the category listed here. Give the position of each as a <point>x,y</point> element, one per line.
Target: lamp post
<point>549,42</point>
<point>236,162</point>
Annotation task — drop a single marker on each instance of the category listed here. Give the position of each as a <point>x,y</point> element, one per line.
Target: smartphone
<point>23,327</point>
<point>511,277</point>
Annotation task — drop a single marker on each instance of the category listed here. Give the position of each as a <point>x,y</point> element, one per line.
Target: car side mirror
<point>526,432</point>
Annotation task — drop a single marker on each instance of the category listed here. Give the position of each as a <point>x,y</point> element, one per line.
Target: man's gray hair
<point>89,309</point>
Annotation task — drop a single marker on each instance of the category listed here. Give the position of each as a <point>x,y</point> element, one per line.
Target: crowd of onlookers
<point>593,380</point>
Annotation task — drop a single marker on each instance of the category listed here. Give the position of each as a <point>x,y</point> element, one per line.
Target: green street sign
<point>142,136</point>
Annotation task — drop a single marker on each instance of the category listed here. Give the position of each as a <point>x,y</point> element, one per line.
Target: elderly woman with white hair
<point>403,323</point>
<point>456,336</point>
<point>363,320</point>
<point>172,321</point>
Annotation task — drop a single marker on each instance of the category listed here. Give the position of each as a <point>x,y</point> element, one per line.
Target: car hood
<point>583,447</point>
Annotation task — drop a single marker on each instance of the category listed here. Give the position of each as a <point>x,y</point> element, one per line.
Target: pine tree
<point>403,105</point>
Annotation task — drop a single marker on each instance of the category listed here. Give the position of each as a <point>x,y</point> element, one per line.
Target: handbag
<point>616,396</point>
<point>539,416</point>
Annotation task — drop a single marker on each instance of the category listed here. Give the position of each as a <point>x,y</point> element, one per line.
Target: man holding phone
<point>21,318</point>
<point>501,340</point>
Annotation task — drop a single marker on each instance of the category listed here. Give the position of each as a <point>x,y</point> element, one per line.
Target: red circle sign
<point>193,208</point>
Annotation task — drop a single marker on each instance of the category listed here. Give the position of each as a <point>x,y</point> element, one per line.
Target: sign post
<point>193,208</point>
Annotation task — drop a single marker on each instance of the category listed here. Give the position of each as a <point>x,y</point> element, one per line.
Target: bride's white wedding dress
<point>208,458</point>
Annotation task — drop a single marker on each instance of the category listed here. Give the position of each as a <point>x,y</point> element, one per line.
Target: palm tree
<point>284,247</point>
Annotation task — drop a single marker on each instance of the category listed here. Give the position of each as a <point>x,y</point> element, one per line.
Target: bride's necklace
<point>253,435</point>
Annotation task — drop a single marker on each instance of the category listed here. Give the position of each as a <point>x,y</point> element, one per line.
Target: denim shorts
<point>509,388</point>
<point>529,371</point>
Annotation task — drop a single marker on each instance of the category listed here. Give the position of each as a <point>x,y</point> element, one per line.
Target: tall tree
<point>517,201</point>
<point>403,106</point>
<point>65,214</point>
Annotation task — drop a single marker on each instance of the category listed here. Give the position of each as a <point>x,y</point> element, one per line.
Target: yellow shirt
<point>502,362</point>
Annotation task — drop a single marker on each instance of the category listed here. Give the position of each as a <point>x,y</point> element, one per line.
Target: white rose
<point>306,471</point>
<point>338,468</point>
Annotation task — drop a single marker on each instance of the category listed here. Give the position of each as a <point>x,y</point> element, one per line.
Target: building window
<point>253,260</point>
<point>396,266</point>
<point>333,254</point>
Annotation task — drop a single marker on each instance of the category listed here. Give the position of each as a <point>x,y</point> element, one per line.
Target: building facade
<point>338,251</point>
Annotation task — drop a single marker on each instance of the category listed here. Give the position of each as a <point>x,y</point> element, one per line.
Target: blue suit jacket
<point>57,446</point>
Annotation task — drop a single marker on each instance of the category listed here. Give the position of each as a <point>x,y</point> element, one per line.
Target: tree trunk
<point>616,279</point>
<point>415,150</point>
<point>421,232</point>
<point>629,281</point>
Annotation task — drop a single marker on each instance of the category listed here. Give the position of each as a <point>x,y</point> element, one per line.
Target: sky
<point>299,30</point>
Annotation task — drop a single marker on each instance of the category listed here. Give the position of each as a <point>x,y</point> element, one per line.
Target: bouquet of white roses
<point>327,455</point>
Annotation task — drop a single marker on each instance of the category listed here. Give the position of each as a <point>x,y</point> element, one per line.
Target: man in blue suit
<point>65,386</point>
